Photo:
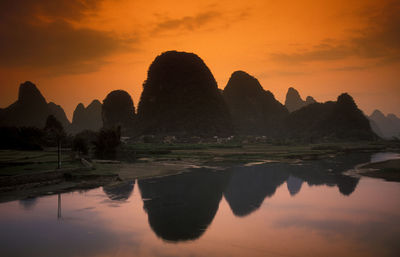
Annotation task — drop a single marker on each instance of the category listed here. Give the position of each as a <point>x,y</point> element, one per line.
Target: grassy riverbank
<point>33,172</point>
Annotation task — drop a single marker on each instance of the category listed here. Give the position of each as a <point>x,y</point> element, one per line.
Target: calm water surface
<point>265,210</point>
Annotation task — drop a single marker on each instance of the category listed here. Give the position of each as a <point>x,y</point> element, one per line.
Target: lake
<point>273,209</point>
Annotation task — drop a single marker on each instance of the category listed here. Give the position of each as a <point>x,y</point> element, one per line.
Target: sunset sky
<point>76,51</point>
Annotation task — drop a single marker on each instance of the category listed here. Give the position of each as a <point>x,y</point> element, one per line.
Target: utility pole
<point>59,207</point>
<point>59,154</point>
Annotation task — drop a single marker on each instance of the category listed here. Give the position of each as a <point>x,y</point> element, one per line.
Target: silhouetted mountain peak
<point>80,107</point>
<point>293,93</point>
<point>243,83</point>
<point>331,120</point>
<point>346,100</point>
<point>58,112</point>
<point>89,118</point>
<point>310,100</point>
<point>293,100</point>
<point>29,94</point>
<point>386,126</point>
<point>377,114</point>
<point>120,99</point>
<point>94,104</point>
<point>118,110</point>
<point>254,111</point>
<point>180,97</point>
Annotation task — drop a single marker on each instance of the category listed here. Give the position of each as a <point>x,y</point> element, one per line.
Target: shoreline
<point>81,175</point>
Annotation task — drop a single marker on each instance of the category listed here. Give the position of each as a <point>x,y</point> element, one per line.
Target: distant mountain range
<point>180,97</point>
<point>331,120</point>
<point>89,118</point>
<point>294,102</point>
<point>31,109</point>
<point>385,126</point>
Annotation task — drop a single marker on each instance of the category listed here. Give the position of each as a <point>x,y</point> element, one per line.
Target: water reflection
<point>119,191</point>
<point>249,186</point>
<point>181,207</point>
<point>294,185</point>
<point>189,208</point>
<point>28,203</point>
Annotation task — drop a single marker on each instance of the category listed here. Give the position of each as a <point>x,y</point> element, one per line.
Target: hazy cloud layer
<point>187,22</point>
<point>380,41</point>
<point>39,33</point>
<point>211,18</point>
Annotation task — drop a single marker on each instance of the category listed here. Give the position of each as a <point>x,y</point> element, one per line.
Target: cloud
<point>211,16</point>
<point>379,41</point>
<point>322,52</point>
<point>40,34</point>
<point>187,23</point>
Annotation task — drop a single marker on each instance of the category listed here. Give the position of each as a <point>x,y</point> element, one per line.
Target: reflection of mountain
<point>329,172</point>
<point>293,185</point>
<point>181,207</point>
<point>119,192</point>
<point>28,203</point>
<point>249,186</point>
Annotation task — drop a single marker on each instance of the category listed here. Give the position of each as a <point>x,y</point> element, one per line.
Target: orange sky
<point>76,51</point>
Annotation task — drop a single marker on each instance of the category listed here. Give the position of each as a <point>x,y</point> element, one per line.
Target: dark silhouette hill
<point>58,112</point>
<point>181,207</point>
<point>119,110</point>
<point>294,101</point>
<point>385,126</point>
<point>180,97</point>
<point>254,111</point>
<point>89,118</point>
<point>329,121</point>
<point>31,109</point>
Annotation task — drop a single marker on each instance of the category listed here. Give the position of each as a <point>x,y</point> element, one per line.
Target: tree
<point>107,142</point>
<point>55,132</point>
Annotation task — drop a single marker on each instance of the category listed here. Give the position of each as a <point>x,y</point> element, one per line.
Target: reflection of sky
<point>380,157</point>
<point>319,221</point>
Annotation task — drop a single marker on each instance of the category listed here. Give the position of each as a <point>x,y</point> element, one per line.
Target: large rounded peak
<point>180,71</point>
<point>243,83</point>
<point>28,93</point>
<point>119,100</point>
<point>181,97</point>
<point>118,110</point>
